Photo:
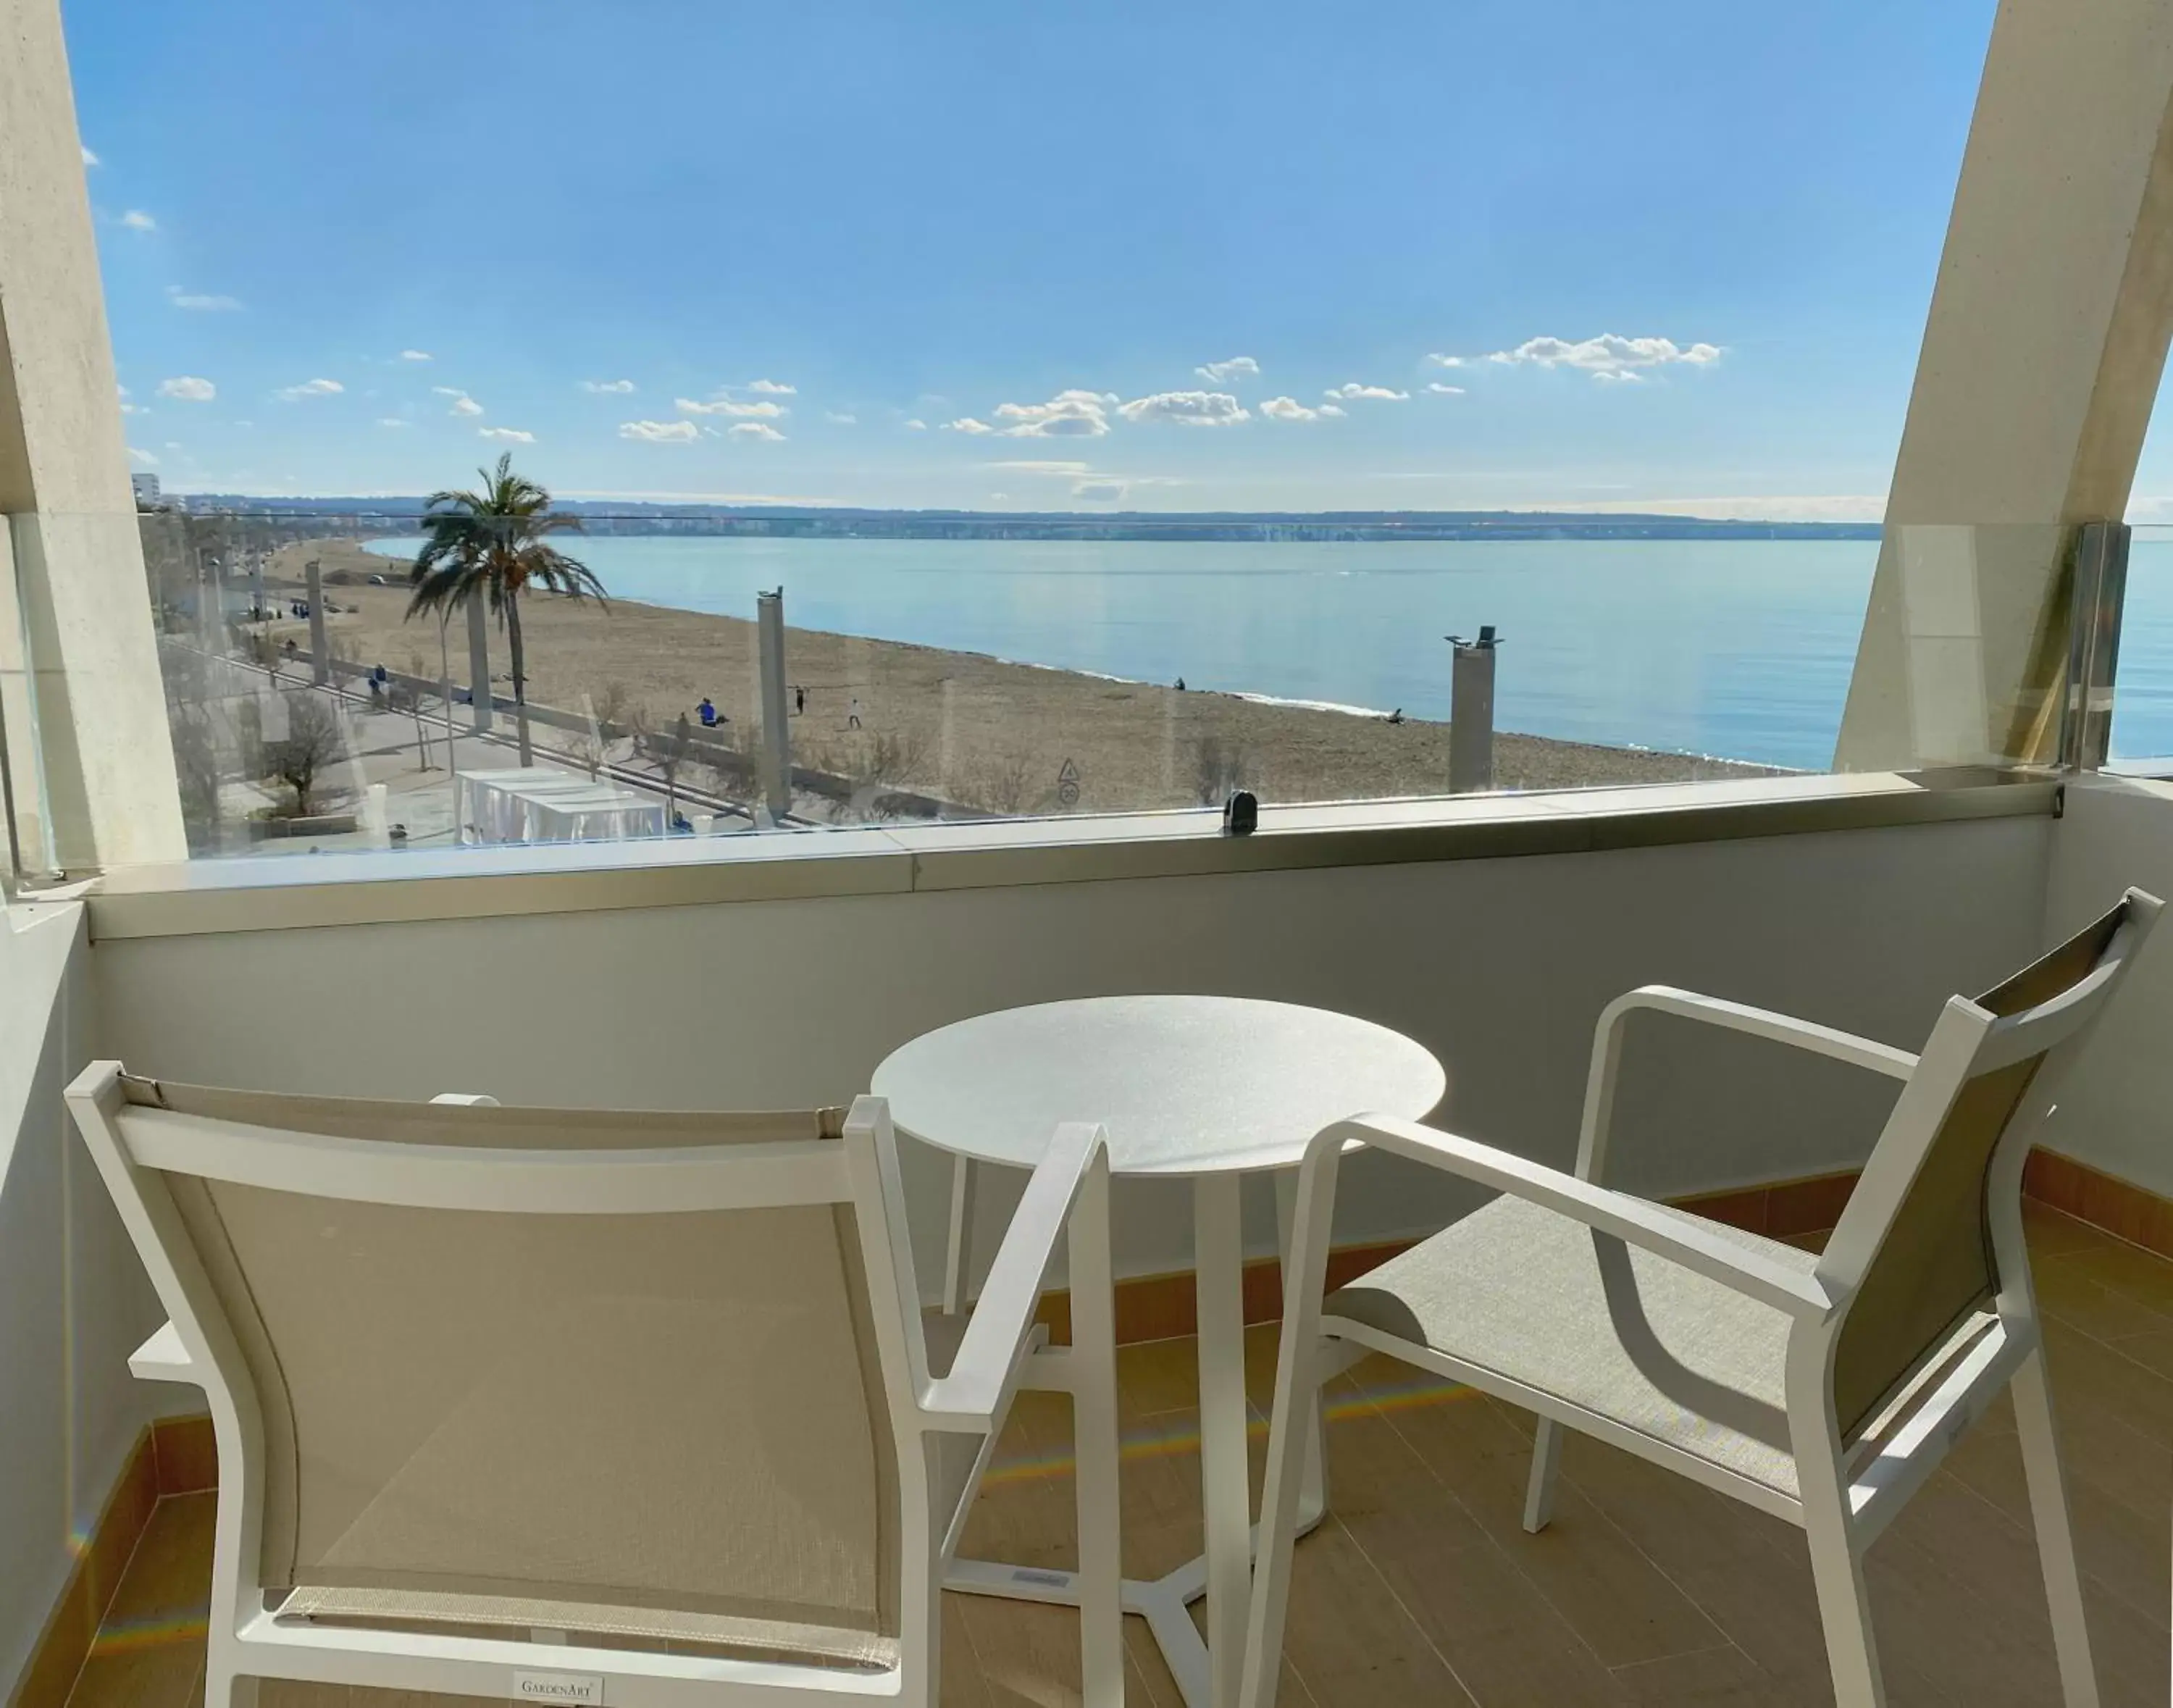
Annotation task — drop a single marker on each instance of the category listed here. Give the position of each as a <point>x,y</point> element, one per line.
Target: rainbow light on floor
<point>135,1636</point>
<point>1159,1441</point>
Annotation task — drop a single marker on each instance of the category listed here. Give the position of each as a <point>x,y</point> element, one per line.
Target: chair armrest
<point>1635,1220</point>
<point>163,1358</point>
<point>973,1396</point>
<point>1734,1017</point>
<point>1763,1022</point>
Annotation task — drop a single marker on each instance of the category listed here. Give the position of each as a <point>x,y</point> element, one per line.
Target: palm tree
<point>494,544</point>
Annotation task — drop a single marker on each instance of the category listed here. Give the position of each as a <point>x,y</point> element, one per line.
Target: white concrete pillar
<point>81,599</point>
<point>776,722</point>
<point>2041,363</point>
<point>320,653</point>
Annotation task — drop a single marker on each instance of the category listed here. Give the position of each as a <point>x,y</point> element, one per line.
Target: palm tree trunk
<point>519,674</point>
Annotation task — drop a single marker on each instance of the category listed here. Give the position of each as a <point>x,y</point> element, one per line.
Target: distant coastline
<point>349,516</point>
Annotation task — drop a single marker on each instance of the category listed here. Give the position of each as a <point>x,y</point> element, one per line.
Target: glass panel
<point>2143,697</point>
<point>313,706</point>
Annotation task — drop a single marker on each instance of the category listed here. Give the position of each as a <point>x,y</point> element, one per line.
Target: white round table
<point>1203,1088</point>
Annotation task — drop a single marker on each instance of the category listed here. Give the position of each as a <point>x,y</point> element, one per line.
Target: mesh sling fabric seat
<point>638,1398</point>
<point>1823,1388</point>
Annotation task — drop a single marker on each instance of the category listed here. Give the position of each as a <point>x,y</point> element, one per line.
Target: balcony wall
<point>73,1301</point>
<point>1500,966</point>
<point>2118,1114</point>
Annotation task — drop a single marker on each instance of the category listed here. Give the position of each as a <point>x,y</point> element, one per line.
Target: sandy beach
<point>998,736</point>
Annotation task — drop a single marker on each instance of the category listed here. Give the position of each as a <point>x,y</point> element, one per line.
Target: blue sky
<point>1010,256</point>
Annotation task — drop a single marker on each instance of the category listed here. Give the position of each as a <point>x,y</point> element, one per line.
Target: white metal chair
<point>1824,1389</point>
<point>580,1406</point>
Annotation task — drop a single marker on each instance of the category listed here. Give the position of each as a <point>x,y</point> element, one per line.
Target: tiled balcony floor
<point>1420,1589</point>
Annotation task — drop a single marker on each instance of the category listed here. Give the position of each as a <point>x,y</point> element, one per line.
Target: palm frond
<point>492,543</point>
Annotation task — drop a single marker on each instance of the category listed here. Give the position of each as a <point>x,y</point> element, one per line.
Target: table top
<point>1184,1085</point>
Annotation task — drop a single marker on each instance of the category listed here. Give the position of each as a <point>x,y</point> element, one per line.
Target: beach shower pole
<point>1471,713</point>
<point>478,664</point>
<point>776,730</point>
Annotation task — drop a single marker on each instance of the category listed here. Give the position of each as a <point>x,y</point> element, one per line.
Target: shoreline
<point>994,734</point>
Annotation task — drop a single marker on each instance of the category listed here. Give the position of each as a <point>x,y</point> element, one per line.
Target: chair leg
<point>2055,1539</point>
<point>1844,1608</point>
<point>1546,1463</point>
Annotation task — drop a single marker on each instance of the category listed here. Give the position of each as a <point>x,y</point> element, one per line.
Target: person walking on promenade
<point>852,714</point>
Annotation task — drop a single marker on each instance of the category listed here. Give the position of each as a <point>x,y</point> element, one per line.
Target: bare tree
<point>1002,783</point>
<point>314,745</point>
<point>608,720</point>
<point>669,750</point>
<point>406,696</point>
<point>894,757</point>
<point>196,769</point>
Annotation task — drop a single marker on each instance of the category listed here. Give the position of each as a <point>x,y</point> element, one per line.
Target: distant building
<point>147,487</point>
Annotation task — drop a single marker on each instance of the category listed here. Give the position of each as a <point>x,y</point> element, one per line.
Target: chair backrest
<point>621,1361</point>
<point>1917,1242</point>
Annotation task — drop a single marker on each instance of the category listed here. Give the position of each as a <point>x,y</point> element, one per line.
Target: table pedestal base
<point>1164,1603</point>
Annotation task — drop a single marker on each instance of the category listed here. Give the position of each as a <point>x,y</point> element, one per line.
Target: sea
<point>1739,649</point>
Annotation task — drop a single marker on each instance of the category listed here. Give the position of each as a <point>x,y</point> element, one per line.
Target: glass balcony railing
<point>970,669</point>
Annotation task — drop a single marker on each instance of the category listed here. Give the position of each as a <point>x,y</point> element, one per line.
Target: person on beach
<point>799,700</point>
<point>852,714</point>
<point>707,713</point>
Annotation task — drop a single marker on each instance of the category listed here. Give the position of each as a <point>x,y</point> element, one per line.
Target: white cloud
<point>755,430</point>
<point>1288,409</point>
<point>414,355</point>
<point>1101,492</point>
<point>1440,389</point>
<point>659,431</point>
<point>840,420</point>
<point>1073,414</point>
<point>967,424</point>
<point>91,159</point>
<point>1187,408</point>
<point>773,388</point>
<point>136,220</point>
<point>513,435</point>
<point>612,388</point>
<point>1441,360</point>
<point>1351,388</point>
<point>1219,372</point>
<point>1333,409</point>
<point>188,388</point>
<point>188,300</point>
<point>143,456</point>
<point>312,388</point>
<point>391,421</point>
<point>915,424</point>
<point>1607,354</point>
<point>726,406</point>
<point>1619,376</point>
<point>462,403</point>
<point>1030,466</point>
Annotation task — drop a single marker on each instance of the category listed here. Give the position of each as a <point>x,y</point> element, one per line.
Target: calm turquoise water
<point>1740,648</point>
